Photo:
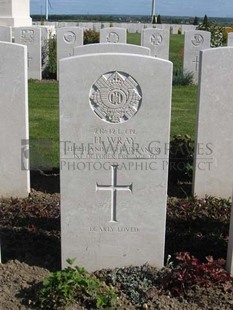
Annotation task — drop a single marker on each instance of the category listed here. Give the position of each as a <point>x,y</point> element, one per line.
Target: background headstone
<point>111,48</point>
<point>185,28</point>
<point>15,13</point>
<point>175,29</point>
<point>5,34</point>
<point>67,39</point>
<point>230,39</point>
<point>31,37</point>
<point>113,35</point>
<point>158,42</point>
<point>194,41</point>
<point>213,168</point>
<point>14,157</point>
<point>113,181</point>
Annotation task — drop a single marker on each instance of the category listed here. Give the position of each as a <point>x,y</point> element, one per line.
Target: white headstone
<point>31,37</point>
<point>194,42</point>
<point>229,261</point>
<point>165,27</point>
<point>214,143</point>
<point>111,48</point>
<point>230,39</point>
<point>185,28</point>
<point>14,164</point>
<point>15,13</point>
<point>113,35</point>
<point>158,42</point>
<point>175,29</point>
<point>97,27</point>
<point>5,34</point>
<point>132,28</point>
<point>67,39</point>
<point>113,119</point>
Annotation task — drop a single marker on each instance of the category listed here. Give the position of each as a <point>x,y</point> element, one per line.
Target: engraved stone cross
<point>113,187</point>
<point>29,59</point>
<point>196,61</point>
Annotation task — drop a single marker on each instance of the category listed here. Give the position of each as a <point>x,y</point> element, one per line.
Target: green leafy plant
<point>49,57</point>
<point>72,284</point>
<point>52,54</point>
<point>91,36</point>
<point>188,271</point>
<point>217,33</point>
<point>182,78</point>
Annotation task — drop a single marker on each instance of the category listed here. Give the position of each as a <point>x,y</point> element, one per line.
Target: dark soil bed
<point>30,248</point>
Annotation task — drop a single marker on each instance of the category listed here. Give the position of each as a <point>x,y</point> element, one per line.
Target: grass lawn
<point>44,119</point>
<point>44,111</point>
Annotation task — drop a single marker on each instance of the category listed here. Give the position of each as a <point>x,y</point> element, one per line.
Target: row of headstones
<point>70,43</point>
<point>130,27</point>
<point>68,39</point>
<point>114,132</point>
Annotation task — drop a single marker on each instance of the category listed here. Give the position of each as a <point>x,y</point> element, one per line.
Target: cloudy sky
<point>215,8</point>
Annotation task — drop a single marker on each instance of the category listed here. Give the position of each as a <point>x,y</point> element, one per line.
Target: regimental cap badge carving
<point>112,37</point>
<point>69,37</point>
<point>27,36</point>
<point>115,97</point>
<point>197,39</point>
<point>156,39</point>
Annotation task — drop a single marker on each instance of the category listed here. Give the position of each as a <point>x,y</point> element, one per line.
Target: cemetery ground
<point>196,231</point>
<point>30,230</point>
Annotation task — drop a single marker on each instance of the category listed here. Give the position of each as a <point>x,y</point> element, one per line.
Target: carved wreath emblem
<point>115,97</point>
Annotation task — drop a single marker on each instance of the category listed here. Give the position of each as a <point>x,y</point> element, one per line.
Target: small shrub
<point>188,271</point>
<point>74,283</point>
<point>182,78</point>
<point>91,36</point>
<point>50,51</point>
<point>217,33</point>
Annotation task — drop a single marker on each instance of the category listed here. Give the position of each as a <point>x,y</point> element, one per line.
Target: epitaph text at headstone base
<point>158,42</point>
<point>114,135</point>
<point>113,35</point>
<point>31,37</point>
<point>14,150</point>
<point>213,167</point>
<point>194,42</point>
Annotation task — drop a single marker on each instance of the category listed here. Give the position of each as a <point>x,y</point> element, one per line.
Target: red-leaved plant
<point>188,272</point>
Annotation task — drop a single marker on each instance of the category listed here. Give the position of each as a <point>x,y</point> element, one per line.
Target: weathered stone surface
<point>14,151</point>
<point>114,119</point>
<point>31,37</point>
<point>158,42</point>
<point>194,42</point>
<point>111,48</point>
<point>214,142</point>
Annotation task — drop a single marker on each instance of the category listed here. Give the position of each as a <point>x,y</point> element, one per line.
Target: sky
<point>213,8</point>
